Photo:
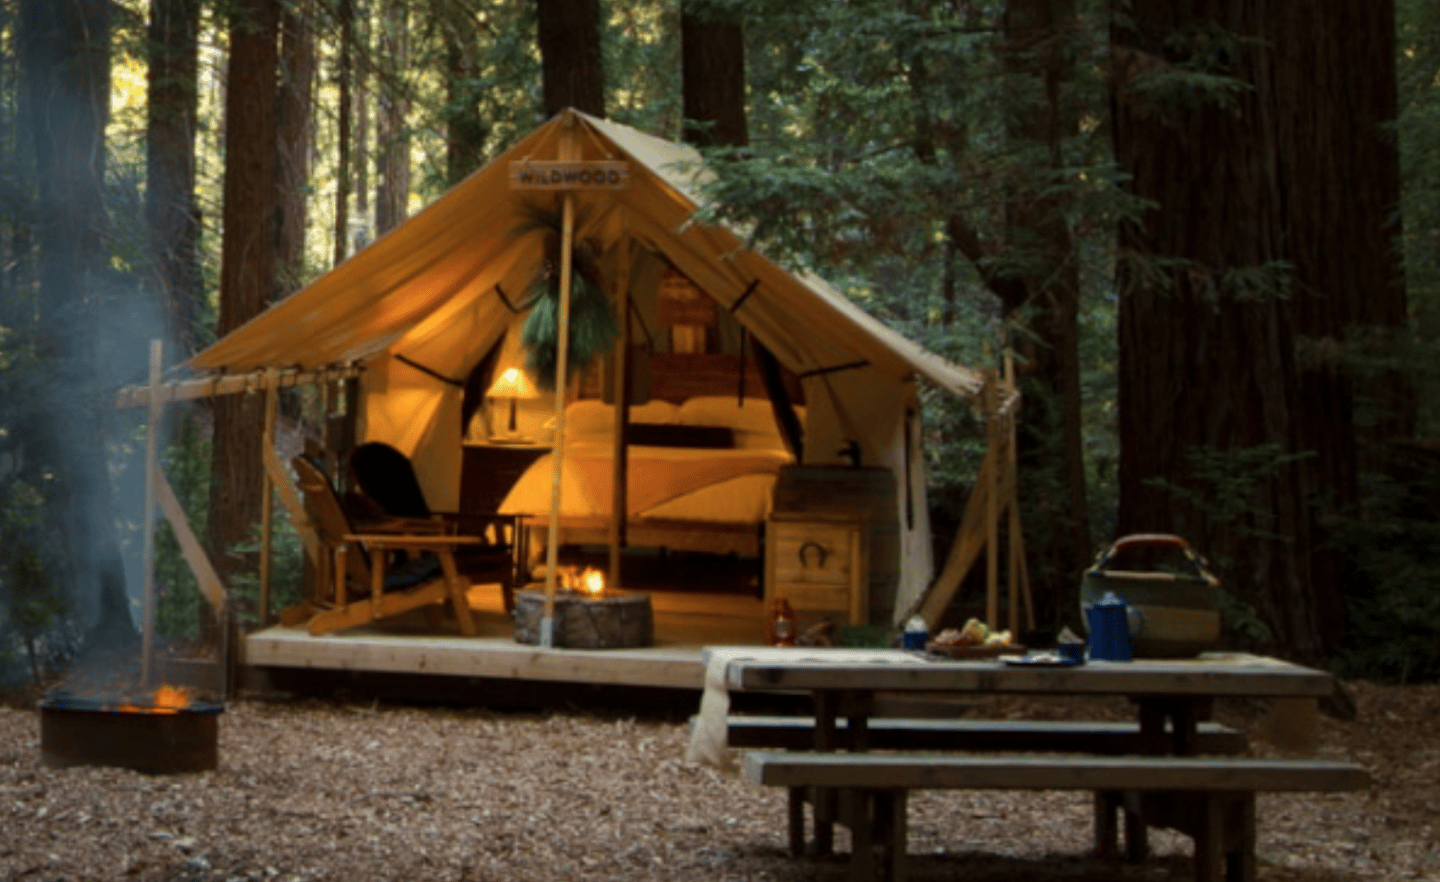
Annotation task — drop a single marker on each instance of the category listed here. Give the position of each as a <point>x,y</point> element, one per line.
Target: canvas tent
<point>422,305</point>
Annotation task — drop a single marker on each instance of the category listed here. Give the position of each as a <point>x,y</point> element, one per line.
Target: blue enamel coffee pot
<point>1108,620</point>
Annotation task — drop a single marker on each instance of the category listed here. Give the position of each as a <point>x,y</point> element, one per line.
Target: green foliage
<point>287,568</point>
<point>1223,485</point>
<point>1392,614</point>
<point>179,605</point>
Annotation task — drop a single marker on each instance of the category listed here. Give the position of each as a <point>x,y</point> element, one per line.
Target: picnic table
<point>856,767</point>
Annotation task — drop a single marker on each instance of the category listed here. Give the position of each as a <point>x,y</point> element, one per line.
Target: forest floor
<point>330,790</point>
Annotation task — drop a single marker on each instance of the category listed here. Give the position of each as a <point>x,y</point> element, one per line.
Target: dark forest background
<point>1207,231</point>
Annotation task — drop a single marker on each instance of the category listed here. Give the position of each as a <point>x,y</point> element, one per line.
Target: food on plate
<point>973,633</point>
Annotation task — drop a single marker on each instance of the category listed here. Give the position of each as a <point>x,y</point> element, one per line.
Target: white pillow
<point>591,417</point>
<point>754,415</point>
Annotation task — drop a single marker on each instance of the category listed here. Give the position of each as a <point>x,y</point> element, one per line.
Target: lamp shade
<point>512,383</point>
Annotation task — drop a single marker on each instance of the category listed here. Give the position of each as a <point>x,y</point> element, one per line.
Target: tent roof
<point>459,265</point>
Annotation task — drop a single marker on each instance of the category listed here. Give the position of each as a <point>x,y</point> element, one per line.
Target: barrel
<point>869,492</point>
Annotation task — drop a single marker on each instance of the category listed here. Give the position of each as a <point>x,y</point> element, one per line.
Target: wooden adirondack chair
<point>387,478</point>
<point>391,568</point>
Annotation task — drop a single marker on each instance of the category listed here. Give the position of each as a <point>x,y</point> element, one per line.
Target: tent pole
<point>152,468</point>
<point>267,493</point>
<point>552,551</point>
<point>620,499</point>
<point>992,503</point>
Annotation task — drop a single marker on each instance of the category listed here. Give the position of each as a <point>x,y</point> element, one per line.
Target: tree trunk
<point>247,270</point>
<point>1040,293</point>
<point>344,75</point>
<point>360,138</point>
<point>171,212</point>
<point>295,134</point>
<point>65,81</point>
<point>712,52</point>
<point>569,40</point>
<point>1335,82</point>
<point>392,140</point>
<point>465,129</point>
<point>1210,411</point>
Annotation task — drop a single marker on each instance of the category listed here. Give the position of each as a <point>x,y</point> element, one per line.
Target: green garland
<point>593,323</point>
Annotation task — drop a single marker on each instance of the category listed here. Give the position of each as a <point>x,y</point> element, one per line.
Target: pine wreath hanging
<point>593,324</point>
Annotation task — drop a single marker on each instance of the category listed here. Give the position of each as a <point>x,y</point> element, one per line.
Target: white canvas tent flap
<point>424,303</point>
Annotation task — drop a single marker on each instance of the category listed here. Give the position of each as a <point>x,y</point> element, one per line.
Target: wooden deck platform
<point>685,622</point>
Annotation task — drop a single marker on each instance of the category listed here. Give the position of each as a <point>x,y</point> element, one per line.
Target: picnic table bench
<point>1212,799</point>
<point>966,733</point>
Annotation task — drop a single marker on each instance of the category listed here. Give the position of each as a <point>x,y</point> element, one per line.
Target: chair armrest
<point>409,526</point>
<point>394,541</point>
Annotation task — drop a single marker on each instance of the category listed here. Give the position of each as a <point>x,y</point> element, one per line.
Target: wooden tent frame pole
<point>267,492</point>
<point>620,499</point>
<point>552,551</point>
<point>152,472</point>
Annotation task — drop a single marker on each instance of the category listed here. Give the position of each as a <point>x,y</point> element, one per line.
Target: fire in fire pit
<point>164,732</point>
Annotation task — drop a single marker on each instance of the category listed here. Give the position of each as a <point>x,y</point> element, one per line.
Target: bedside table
<point>818,561</point>
<point>488,471</point>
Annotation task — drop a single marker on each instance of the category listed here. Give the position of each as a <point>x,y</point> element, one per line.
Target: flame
<point>166,700</point>
<point>593,581</point>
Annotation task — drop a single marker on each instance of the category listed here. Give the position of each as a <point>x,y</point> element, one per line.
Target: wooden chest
<point>818,561</point>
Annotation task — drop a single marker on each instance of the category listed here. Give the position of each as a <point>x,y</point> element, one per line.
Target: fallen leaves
<point>310,791</point>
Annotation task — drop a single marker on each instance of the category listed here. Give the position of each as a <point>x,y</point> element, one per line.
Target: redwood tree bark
<point>569,40</point>
<point>171,212</point>
<point>392,141</point>
<point>65,87</point>
<point>712,53</point>
<point>466,131</point>
<point>247,270</point>
<point>1226,436</point>
<point>1040,293</point>
<point>344,77</point>
<point>294,110</point>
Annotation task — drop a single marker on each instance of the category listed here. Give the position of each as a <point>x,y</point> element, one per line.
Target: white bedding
<point>719,485</point>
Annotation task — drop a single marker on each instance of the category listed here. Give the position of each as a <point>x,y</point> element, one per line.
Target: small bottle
<point>782,623</point>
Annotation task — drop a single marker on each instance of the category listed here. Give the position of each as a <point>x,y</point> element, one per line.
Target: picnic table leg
<point>1107,803</point>
<point>1210,839</point>
<point>861,804</point>
<point>1137,836</point>
<point>1240,841</point>
<point>822,800</point>
<point>796,821</point>
<point>891,814</point>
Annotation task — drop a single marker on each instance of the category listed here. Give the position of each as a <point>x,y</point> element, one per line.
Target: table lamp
<point>512,384</point>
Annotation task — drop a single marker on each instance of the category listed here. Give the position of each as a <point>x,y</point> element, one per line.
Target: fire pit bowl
<point>78,730</point>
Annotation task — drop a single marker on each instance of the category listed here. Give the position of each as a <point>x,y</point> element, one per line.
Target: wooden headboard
<point>675,377</point>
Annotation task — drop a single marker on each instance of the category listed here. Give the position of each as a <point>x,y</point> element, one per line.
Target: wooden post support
<point>152,471</point>
<point>562,342</point>
<point>992,502</point>
<point>267,492</point>
<point>620,499</point>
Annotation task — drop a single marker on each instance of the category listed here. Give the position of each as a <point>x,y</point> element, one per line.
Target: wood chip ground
<point>318,790</point>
